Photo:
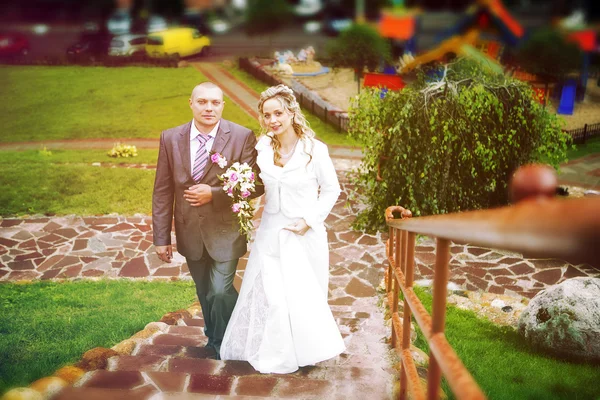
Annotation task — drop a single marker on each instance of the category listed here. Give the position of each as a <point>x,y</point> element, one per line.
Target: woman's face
<point>276,117</point>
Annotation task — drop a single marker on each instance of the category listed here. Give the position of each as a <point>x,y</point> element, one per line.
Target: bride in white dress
<point>282,320</point>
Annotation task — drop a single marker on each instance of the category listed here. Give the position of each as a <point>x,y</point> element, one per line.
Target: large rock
<point>565,319</point>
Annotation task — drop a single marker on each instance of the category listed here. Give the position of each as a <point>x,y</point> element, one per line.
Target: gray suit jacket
<point>212,225</point>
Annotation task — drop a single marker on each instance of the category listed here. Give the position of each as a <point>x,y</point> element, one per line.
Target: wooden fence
<point>551,228</point>
<point>580,135</point>
<point>333,117</point>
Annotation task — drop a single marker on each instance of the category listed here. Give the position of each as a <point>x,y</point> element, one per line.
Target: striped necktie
<point>201,158</point>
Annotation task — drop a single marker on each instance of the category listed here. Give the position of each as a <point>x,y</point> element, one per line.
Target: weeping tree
<point>359,47</point>
<point>449,145</point>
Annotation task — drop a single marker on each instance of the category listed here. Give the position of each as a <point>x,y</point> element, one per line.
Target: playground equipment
<point>567,98</point>
<point>458,45</point>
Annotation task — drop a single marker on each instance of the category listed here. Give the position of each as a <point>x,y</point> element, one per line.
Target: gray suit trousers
<point>214,286</point>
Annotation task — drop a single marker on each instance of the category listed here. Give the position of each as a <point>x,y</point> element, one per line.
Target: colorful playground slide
<point>567,98</point>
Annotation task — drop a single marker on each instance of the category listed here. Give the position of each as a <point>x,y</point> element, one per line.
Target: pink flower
<point>230,190</point>
<point>245,194</point>
<point>215,158</point>
<point>233,177</point>
<point>235,208</point>
<point>252,176</point>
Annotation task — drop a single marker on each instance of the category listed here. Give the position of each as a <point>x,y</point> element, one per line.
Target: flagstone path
<point>115,246</point>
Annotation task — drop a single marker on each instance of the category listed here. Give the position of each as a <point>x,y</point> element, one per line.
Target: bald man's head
<point>206,85</point>
<point>207,106</point>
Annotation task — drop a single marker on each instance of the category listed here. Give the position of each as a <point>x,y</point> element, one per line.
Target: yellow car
<point>182,42</point>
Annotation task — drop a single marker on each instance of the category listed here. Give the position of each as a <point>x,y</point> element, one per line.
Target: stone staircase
<point>174,364</point>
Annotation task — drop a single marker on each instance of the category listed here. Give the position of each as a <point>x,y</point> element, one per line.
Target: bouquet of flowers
<point>239,183</point>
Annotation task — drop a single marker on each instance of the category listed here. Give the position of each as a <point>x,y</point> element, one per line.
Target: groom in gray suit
<point>187,187</point>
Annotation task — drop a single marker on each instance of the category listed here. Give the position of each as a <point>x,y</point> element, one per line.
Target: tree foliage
<point>264,17</point>
<point>359,47</point>
<point>549,55</point>
<point>449,145</point>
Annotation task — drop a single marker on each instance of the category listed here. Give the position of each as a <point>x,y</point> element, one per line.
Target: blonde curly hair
<point>286,97</point>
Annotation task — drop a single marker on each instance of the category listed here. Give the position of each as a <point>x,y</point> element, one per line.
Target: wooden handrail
<point>541,227</point>
<point>568,229</point>
<point>538,226</point>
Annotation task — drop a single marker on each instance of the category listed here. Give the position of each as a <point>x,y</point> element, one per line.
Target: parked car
<point>218,21</point>
<point>119,22</point>
<point>91,46</point>
<point>156,23</point>
<point>181,42</point>
<point>13,44</point>
<point>127,45</point>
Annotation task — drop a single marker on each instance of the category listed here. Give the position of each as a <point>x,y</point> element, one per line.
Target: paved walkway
<point>583,172</point>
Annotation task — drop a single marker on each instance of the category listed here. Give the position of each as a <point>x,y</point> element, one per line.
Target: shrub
<point>122,150</point>
<point>449,145</point>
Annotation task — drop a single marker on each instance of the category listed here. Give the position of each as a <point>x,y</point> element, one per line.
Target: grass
<point>65,182</point>
<point>46,325</point>
<point>52,103</point>
<point>325,132</point>
<point>591,146</point>
<point>505,366</point>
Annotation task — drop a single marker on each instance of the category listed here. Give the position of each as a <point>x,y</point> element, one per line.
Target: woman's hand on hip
<point>299,227</point>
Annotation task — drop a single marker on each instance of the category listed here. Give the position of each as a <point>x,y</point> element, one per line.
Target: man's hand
<point>198,195</point>
<point>165,253</point>
<point>299,227</point>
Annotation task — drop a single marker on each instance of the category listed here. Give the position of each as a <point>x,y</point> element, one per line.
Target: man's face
<point>207,106</point>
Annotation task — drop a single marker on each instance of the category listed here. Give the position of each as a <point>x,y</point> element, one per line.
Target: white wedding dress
<point>282,319</point>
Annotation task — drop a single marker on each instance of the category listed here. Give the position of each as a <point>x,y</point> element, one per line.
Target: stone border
<point>98,358</point>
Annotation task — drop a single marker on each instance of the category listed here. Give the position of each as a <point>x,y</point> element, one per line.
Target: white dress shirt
<point>195,144</point>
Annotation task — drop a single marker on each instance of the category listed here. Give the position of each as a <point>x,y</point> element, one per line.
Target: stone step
<point>119,385</point>
<point>180,340</point>
<point>193,321</point>
<point>186,330</point>
<point>174,350</point>
<point>90,393</point>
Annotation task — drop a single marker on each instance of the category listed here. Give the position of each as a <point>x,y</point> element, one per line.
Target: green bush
<point>449,144</point>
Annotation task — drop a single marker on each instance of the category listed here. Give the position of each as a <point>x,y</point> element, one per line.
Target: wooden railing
<point>540,228</point>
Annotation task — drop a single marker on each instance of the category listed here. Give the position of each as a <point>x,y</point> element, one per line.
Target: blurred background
<point>42,28</point>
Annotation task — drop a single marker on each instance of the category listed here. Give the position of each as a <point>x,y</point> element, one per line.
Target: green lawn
<point>65,182</point>
<point>325,132</point>
<point>581,150</point>
<point>504,365</point>
<point>52,103</point>
<point>46,325</point>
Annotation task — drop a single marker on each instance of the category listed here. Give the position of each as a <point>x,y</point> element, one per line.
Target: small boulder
<point>49,386</point>
<point>565,319</point>
<point>125,347</point>
<point>161,326</point>
<point>96,358</point>
<point>22,394</point>
<point>70,373</point>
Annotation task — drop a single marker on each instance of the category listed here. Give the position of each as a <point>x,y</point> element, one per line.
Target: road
<point>233,44</point>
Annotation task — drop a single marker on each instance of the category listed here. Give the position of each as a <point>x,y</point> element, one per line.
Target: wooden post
<point>438,314</point>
